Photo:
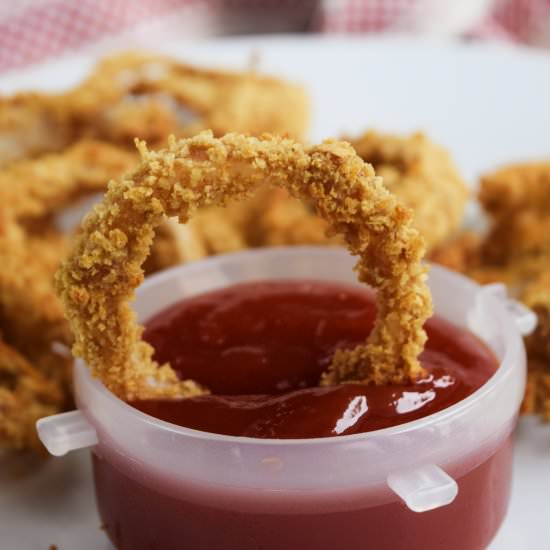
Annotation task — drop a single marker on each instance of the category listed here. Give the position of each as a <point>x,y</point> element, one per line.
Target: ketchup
<point>262,347</point>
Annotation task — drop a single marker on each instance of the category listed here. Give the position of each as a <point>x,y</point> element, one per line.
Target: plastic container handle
<point>61,433</point>
<point>424,488</point>
<point>525,319</point>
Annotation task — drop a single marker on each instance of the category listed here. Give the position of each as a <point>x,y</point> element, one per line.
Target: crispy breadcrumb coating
<point>174,244</point>
<point>32,123</point>
<point>29,309</point>
<point>35,188</point>
<point>515,251</point>
<point>273,218</point>
<point>149,96</point>
<point>528,281</point>
<point>517,198</point>
<point>32,190</point>
<point>462,253</point>
<point>98,279</point>
<point>270,217</point>
<point>25,396</point>
<point>32,320</point>
<point>537,396</point>
<point>537,297</point>
<point>516,188</point>
<point>423,177</point>
<point>420,173</point>
<point>197,98</point>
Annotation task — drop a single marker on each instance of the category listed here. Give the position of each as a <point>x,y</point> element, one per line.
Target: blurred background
<point>32,31</point>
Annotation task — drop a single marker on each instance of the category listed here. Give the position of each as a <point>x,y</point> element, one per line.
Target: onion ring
<point>424,178</point>
<point>149,96</point>
<point>97,280</point>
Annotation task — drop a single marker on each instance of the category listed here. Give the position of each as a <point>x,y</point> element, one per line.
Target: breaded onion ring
<point>423,176</point>
<point>150,96</point>
<point>98,279</point>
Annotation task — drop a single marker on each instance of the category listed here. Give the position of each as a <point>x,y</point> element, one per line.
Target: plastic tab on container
<point>525,319</point>
<point>61,433</point>
<point>423,489</point>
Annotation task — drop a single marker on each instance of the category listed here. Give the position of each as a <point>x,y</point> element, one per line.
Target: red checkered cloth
<point>32,31</point>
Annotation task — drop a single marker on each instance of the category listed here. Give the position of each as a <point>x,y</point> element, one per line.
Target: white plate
<point>489,104</point>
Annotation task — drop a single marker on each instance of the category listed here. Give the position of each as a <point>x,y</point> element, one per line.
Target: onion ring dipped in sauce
<point>97,281</point>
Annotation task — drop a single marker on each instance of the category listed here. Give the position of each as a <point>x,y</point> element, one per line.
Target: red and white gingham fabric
<point>33,31</point>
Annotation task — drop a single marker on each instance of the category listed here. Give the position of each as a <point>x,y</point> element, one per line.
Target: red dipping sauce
<point>261,349</point>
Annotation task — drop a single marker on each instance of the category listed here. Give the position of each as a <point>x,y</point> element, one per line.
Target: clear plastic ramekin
<point>441,482</point>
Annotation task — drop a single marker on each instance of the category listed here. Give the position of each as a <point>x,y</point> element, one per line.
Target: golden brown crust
<point>25,396</point>
<point>97,280</point>
<point>35,188</point>
<point>517,198</point>
<point>423,177</point>
<point>219,100</point>
<point>31,123</point>
<point>537,395</point>
<point>527,280</point>
<point>270,217</point>
<point>273,218</point>
<point>459,254</point>
<point>537,297</point>
<point>516,251</point>
<point>149,96</point>
<point>516,188</point>
<point>29,309</point>
<point>419,172</point>
<point>174,244</point>
<point>31,316</point>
